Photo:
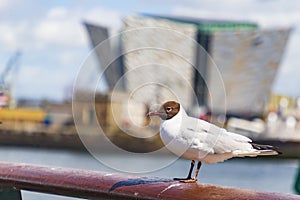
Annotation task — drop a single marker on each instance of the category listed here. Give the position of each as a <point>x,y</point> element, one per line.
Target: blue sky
<point>54,43</point>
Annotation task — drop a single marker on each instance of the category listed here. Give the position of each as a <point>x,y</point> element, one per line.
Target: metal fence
<point>100,185</point>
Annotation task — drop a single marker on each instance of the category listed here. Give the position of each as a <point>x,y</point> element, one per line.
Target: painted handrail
<point>104,185</point>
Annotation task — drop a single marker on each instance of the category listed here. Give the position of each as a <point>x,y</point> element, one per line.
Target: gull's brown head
<point>167,111</point>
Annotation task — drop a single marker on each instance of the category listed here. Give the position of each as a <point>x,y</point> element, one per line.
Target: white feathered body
<point>195,139</point>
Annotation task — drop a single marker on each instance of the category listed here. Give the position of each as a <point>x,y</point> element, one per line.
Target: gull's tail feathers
<point>257,150</point>
<point>265,150</point>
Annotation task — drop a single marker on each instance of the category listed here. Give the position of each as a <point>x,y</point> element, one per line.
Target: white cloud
<point>64,27</point>
<point>38,82</point>
<point>59,27</point>
<point>14,35</point>
<point>6,4</point>
<point>57,12</point>
<point>7,35</point>
<point>54,45</point>
<point>67,57</point>
<point>105,17</point>
<point>266,14</point>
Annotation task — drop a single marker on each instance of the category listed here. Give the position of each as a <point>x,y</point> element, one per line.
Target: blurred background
<point>232,63</point>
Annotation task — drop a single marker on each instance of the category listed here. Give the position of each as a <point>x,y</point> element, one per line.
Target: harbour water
<point>274,175</point>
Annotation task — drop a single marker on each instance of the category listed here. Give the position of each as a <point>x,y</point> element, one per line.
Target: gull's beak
<point>153,113</point>
<point>159,113</point>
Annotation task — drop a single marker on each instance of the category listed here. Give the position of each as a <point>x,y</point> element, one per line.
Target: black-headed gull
<point>195,139</point>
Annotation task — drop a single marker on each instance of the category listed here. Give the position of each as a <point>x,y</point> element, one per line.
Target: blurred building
<point>108,53</point>
<point>113,112</point>
<point>226,66</point>
<point>278,102</point>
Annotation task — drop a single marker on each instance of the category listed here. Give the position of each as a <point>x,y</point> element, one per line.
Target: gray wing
<point>213,139</point>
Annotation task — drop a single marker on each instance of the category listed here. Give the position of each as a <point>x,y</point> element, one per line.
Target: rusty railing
<point>101,185</point>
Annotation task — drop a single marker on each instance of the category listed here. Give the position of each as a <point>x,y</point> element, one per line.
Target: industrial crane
<point>4,84</point>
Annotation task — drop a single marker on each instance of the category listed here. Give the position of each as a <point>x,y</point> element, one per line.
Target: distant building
<point>159,58</point>
<point>112,112</point>
<point>109,56</point>
<point>231,71</point>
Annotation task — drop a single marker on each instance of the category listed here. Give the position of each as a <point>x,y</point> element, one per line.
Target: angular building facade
<point>248,62</point>
<point>109,61</point>
<point>227,66</point>
<point>158,58</point>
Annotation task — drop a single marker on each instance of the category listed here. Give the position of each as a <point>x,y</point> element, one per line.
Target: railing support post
<point>10,193</point>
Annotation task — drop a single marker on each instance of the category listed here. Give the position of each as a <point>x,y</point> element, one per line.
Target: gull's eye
<point>168,109</point>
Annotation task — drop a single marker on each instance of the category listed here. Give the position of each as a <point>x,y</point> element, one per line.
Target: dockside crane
<point>5,85</point>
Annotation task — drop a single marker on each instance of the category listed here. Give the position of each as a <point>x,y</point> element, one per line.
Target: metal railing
<point>101,185</point>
